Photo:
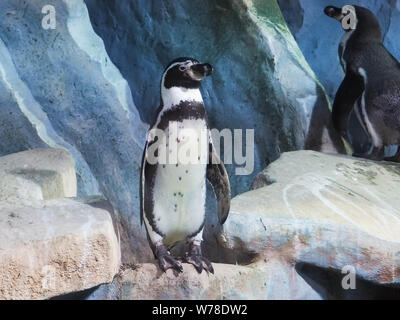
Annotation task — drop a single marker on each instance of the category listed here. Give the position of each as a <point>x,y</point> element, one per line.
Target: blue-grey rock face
<point>318,36</point>
<point>59,89</point>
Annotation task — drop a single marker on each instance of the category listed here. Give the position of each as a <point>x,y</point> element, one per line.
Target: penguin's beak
<point>200,71</point>
<point>334,12</point>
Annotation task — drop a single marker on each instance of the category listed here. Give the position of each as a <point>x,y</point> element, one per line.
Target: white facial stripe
<point>170,67</point>
<point>376,140</point>
<point>187,63</point>
<point>175,95</point>
<point>177,63</point>
<point>186,66</point>
<point>165,72</point>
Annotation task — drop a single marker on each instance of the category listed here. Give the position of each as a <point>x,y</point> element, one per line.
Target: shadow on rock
<point>328,283</point>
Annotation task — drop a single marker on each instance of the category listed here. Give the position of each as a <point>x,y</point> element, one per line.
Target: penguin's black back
<point>366,55</point>
<point>382,85</point>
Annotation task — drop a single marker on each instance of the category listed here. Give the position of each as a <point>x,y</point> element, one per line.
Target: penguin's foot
<point>362,155</point>
<point>395,158</point>
<point>392,159</point>
<point>165,260</point>
<point>377,154</point>
<point>195,257</point>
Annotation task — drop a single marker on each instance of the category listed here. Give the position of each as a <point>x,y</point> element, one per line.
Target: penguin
<point>173,194</point>
<point>371,84</point>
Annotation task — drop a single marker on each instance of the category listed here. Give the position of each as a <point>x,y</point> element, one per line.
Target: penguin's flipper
<point>143,168</point>
<point>218,178</point>
<point>142,183</point>
<point>348,93</point>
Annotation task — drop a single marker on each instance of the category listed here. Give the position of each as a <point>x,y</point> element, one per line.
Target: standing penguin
<point>371,83</point>
<point>173,194</point>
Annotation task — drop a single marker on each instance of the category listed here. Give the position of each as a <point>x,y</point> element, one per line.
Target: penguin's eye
<point>182,68</point>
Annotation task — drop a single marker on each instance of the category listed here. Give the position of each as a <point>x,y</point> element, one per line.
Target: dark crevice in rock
<point>328,283</point>
<point>239,255</point>
<point>79,295</point>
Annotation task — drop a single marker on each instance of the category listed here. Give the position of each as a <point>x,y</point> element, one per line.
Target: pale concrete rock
<point>50,248</point>
<point>311,219</point>
<point>256,281</point>
<point>326,211</point>
<point>38,174</point>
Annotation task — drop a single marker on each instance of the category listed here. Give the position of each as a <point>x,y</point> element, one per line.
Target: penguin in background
<point>173,194</point>
<point>371,84</point>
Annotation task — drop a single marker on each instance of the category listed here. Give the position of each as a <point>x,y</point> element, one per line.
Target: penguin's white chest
<point>180,189</point>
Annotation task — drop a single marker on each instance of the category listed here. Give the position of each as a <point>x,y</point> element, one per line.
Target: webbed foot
<point>165,260</point>
<point>377,154</point>
<point>395,158</point>
<point>195,257</point>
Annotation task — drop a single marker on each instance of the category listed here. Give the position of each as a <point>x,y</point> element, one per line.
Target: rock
<point>230,282</point>
<point>318,38</point>
<point>323,213</point>
<point>317,219</point>
<point>49,248</point>
<point>39,174</point>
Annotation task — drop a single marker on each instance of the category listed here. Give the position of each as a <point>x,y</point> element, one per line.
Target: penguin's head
<point>357,18</point>
<point>185,73</point>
